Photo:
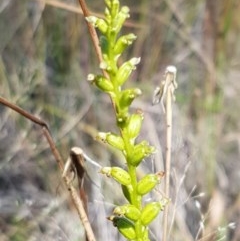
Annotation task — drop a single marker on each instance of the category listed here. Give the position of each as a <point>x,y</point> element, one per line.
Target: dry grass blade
<point>74,9</point>
<point>62,5</point>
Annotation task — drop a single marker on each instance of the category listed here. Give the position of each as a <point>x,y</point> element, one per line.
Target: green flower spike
<point>132,218</point>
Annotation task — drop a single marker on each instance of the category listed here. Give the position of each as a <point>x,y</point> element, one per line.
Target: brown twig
<point>73,192</point>
<point>24,113</point>
<point>95,40</point>
<point>92,31</point>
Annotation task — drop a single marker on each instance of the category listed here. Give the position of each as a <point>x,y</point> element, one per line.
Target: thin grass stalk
<point>168,159</point>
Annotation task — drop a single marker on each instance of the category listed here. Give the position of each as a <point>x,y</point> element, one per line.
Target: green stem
<point>133,175</point>
<point>136,200</point>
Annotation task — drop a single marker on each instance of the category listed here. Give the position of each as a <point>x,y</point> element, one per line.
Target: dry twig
<point>165,95</point>
<point>73,192</point>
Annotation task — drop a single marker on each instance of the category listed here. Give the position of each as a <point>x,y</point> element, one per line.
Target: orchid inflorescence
<point>131,219</point>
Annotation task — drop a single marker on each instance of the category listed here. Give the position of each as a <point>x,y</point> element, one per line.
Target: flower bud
<point>147,183</point>
<point>141,150</point>
<point>115,141</point>
<point>114,7</point>
<point>101,25</point>
<point>125,227</point>
<point>125,70</point>
<point>150,212</point>
<point>108,3</point>
<point>135,124</point>
<point>120,19</point>
<point>105,65</point>
<point>107,15</point>
<point>101,82</point>
<point>129,211</point>
<point>121,176</point>
<point>123,42</point>
<point>98,22</point>
<point>127,97</point>
<point>118,174</point>
<point>106,171</point>
<point>122,118</point>
<point>91,19</point>
<point>101,136</point>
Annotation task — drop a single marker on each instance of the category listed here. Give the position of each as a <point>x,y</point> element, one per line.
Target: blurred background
<point>45,56</point>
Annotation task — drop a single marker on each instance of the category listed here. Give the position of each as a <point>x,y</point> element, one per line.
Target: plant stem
<point>168,159</point>
<point>137,200</point>
<point>133,175</point>
<point>92,31</point>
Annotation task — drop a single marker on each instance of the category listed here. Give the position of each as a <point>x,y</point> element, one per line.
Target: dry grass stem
<point>166,93</point>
